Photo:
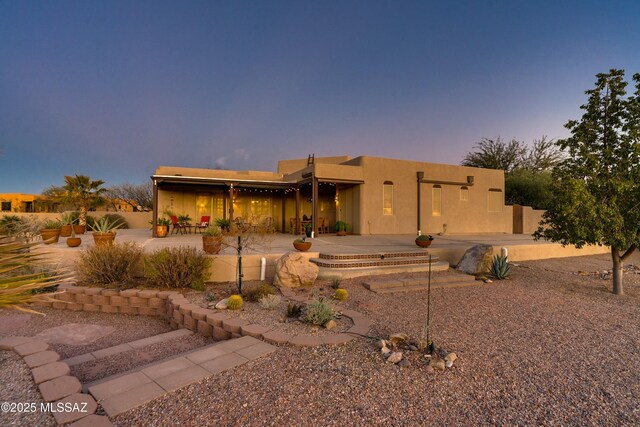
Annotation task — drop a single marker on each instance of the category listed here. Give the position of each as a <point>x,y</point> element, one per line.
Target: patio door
<point>208,204</point>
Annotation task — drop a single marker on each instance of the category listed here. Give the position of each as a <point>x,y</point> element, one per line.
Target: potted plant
<point>50,231</point>
<point>66,221</point>
<point>224,224</point>
<point>75,218</point>
<point>212,240</point>
<point>308,229</point>
<point>104,231</point>
<point>301,244</point>
<point>341,228</point>
<point>424,240</point>
<point>162,227</point>
<point>73,241</point>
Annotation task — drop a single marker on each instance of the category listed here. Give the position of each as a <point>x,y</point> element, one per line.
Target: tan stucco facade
<point>373,195</point>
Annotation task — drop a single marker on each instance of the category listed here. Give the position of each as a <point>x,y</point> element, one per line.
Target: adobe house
<point>373,195</point>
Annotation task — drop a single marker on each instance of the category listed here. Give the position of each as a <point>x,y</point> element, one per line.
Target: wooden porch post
<point>284,213</point>
<point>231,202</point>
<point>314,204</point>
<point>298,225</point>
<point>154,216</point>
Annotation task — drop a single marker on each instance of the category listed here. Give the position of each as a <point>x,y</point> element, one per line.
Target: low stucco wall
<point>224,268</point>
<point>134,219</point>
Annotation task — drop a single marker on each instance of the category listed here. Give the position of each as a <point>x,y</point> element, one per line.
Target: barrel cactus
<point>234,302</point>
<point>341,295</point>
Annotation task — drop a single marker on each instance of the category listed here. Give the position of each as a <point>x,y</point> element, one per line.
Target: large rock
<point>295,271</point>
<point>476,260</point>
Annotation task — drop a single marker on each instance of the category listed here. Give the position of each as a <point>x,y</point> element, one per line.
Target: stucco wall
<point>470,216</point>
<point>134,219</point>
<point>526,219</point>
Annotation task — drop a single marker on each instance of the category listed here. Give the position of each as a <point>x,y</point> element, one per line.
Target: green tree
<point>84,193</point>
<point>596,188</point>
<point>527,169</point>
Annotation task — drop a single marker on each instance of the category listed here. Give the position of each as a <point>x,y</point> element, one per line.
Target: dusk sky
<point>114,89</point>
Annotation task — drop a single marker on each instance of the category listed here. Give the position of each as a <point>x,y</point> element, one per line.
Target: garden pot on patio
<point>424,241</point>
<point>162,231</point>
<point>50,235</point>
<point>79,229</point>
<point>74,242</point>
<point>104,239</point>
<point>65,231</point>
<point>302,246</point>
<point>211,244</point>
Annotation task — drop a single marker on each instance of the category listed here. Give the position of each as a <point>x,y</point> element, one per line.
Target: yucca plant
<point>18,281</point>
<point>500,267</point>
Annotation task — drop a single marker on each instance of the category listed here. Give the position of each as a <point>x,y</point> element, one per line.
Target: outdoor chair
<point>320,224</point>
<point>204,223</point>
<point>177,225</point>
<point>325,225</point>
<point>293,227</point>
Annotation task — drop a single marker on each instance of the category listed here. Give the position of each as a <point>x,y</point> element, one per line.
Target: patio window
<point>436,200</point>
<point>464,194</point>
<point>495,202</point>
<point>387,198</point>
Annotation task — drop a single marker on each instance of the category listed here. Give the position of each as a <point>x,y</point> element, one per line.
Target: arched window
<point>464,194</point>
<point>436,200</point>
<point>387,198</point>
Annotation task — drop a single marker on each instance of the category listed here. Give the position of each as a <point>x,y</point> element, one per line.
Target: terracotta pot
<point>50,235</point>
<point>162,231</point>
<point>424,243</point>
<point>65,231</point>
<point>74,242</point>
<point>302,247</point>
<point>341,233</point>
<point>104,239</point>
<point>80,229</point>
<point>211,244</point>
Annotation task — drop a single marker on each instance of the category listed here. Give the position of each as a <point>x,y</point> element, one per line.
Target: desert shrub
<point>500,267</point>
<point>317,312</point>
<point>270,302</point>
<point>234,302</point>
<point>335,283</point>
<point>178,267</point>
<point>10,225</point>
<point>259,292</point>
<point>117,218</point>
<point>341,295</point>
<point>112,266</point>
<point>293,310</point>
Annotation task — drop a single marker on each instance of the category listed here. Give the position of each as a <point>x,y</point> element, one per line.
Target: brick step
<point>348,273</point>
<point>377,262</point>
<point>376,256</point>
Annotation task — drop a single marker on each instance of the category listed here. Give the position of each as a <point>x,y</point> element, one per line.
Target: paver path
<point>123,392</point>
<point>74,334</point>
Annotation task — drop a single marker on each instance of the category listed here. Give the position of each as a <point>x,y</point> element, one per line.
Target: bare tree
<point>496,154</point>
<point>133,194</point>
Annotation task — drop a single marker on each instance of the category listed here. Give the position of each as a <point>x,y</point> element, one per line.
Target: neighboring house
<point>20,202</point>
<point>373,195</point>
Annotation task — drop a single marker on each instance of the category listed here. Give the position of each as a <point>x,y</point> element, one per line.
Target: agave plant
<point>500,267</point>
<point>106,225</point>
<point>19,279</point>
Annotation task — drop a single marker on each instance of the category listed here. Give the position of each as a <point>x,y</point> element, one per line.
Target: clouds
<point>239,155</point>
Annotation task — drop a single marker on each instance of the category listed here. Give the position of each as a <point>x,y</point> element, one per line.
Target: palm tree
<point>84,193</point>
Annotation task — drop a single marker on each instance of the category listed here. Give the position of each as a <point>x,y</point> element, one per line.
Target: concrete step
<point>122,392</point>
<point>375,255</point>
<point>409,285</point>
<point>373,262</point>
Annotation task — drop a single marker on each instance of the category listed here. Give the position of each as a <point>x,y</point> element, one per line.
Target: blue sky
<point>114,89</point>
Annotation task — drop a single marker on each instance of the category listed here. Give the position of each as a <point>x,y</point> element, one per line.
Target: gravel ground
<point>548,347</point>
<point>17,387</point>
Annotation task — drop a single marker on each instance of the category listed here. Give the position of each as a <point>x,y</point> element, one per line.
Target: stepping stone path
<point>124,392</point>
<point>74,334</point>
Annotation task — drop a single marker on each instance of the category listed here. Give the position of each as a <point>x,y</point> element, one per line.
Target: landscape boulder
<point>476,260</point>
<point>295,271</point>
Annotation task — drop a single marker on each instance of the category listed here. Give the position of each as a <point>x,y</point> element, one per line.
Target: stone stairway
<point>384,286</point>
<point>366,264</point>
